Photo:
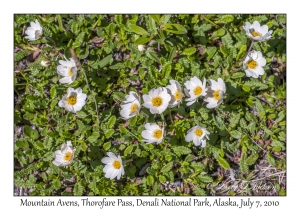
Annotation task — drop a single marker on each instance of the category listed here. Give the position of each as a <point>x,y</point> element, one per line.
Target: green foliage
<point>249,125</point>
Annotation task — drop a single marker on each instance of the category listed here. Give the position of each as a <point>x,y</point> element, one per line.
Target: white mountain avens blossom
<point>73,101</point>
<point>153,133</point>
<point>176,93</point>
<point>68,70</point>
<point>34,32</point>
<point>257,32</point>
<point>253,64</point>
<point>157,100</point>
<point>45,63</point>
<point>193,89</point>
<point>131,106</point>
<point>114,167</point>
<point>141,47</point>
<point>65,155</point>
<point>198,135</point>
<point>215,93</point>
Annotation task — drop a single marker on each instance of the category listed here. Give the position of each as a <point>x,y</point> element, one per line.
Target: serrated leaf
<point>111,122</point>
<point>128,150</point>
<point>106,145</point>
<point>227,18</point>
<point>122,129</point>
<point>271,159</point>
<point>243,166</point>
<point>260,109</point>
<point>102,63</point>
<point>137,29</point>
<point>251,159</point>
<point>78,189</point>
<point>174,28</point>
<point>238,75</point>
<point>242,52</point>
<point>53,92</point>
<point>211,52</point>
<point>81,114</point>
<point>235,134</point>
<point>181,150</point>
<point>223,163</point>
<point>199,191</point>
<point>152,55</point>
<point>189,51</point>
<point>132,121</point>
<point>108,133</point>
<point>94,137</point>
<point>204,178</point>
<point>166,168</point>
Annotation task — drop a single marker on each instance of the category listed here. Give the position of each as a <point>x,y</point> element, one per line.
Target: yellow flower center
<point>177,95</point>
<point>197,90</point>
<point>157,134</point>
<point>252,64</point>
<point>255,33</point>
<point>157,101</point>
<point>133,108</point>
<point>72,100</point>
<point>70,73</point>
<point>198,132</point>
<point>68,156</point>
<point>116,164</point>
<point>216,95</point>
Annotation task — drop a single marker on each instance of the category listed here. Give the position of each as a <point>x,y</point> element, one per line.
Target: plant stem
<point>170,114</point>
<point>73,54</point>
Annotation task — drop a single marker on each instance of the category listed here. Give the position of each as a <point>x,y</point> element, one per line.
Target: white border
<point>7,201</point>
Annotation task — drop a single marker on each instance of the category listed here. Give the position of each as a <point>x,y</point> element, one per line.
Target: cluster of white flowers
<point>157,100</point>
<point>254,61</point>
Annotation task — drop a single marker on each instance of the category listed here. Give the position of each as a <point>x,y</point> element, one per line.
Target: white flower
<point>257,32</point>
<point>215,93</point>
<point>45,63</point>
<point>157,100</point>
<point>176,93</point>
<point>114,167</point>
<point>67,69</point>
<point>253,64</point>
<point>194,89</point>
<point>73,101</point>
<point>65,155</point>
<point>141,47</point>
<point>34,32</point>
<point>153,133</point>
<point>131,106</point>
<point>197,134</point>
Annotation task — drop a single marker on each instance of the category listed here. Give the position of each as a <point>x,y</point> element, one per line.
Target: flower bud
<point>45,62</point>
<point>141,47</point>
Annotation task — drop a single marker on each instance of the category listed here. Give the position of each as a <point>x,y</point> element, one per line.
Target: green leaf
<point>102,63</point>
<point>122,129</point>
<point>85,54</point>
<point>94,137</point>
<point>189,51</point>
<point>205,179</point>
<point>132,121</point>
<point>227,18</point>
<point>235,134</point>
<point>223,163</point>
<point>181,150</point>
<point>238,75</point>
<point>251,159</point>
<point>137,29</point>
<point>211,52</point>
<point>106,145</point>
<point>150,180</point>
<point>243,166</point>
<point>242,52</point>
<point>220,32</point>
<point>174,28</point>
<point>166,70</point>
<point>31,133</point>
<point>271,159</point>
<point>108,133</point>
<point>128,150</point>
<point>260,109</point>
<point>166,168</point>
<point>152,55</point>
<point>93,185</point>
<point>78,189</point>
<point>142,40</point>
<point>53,92</point>
<point>111,122</point>
<point>81,114</point>
<point>199,191</point>
<point>156,18</point>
